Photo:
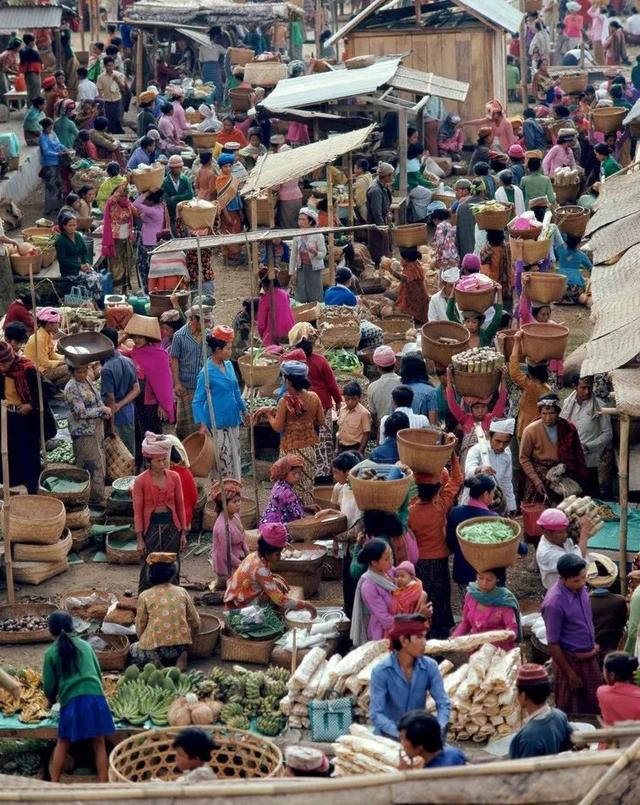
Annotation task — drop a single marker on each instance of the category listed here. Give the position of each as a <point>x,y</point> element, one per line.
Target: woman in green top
<point>71,676</point>
<point>473,321</point>
<point>73,257</point>
<point>608,165</point>
<point>64,126</point>
<point>31,124</point>
<point>535,183</point>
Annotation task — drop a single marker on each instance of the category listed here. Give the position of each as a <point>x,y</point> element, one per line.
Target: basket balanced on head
<point>544,287</point>
<point>488,542</point>
<point>544,341</point>
<point>425,449</point>
<point>382,488</point>
<point>441,340</point>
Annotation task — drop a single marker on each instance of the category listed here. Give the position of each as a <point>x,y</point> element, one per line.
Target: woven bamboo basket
<point>494,219</point>
<point>207,638</point>
<point>529,251</point>
<point>80,538</point>
<point>482,556</point>
<point>57,552</point>
<point>37,572</point>
<point>572,220</point>
<point>238,755</point>
<point>292,623</point>
<point>95,611</point>
<point>342,336</point>
<point>265,211</point>
<point>304,573</point>
<point>20,611</point>
<point>418,448</point>
<point>236,649</point>
<point>506,342</point>
<point>149,180</point>
<point>607,119</point>
<point>21,265</point>
<point>240,55</point>
<point>544,342</point>
<point>573,84</point>
<point>29,232</point>
<point>446,198</point>
<point>78,519</point>
<point>48,257</point>
<point>201,453</point>
<point>115,657</point>
<point>478,301</point>
<point>193,116</point>
<point>566,192</point>
<point>386,496</point>
<point>117,554</point>
<point>475,384</point>
<point>36,519</point>
<point>410,235</point>
<point>307,312</point>
<point>439,353</point>
<point>395,324</point>
<point>76,474</point>
<point>544,287</point>
<point>264,74</point>
<point>197,217</point>
<point>248,512</point>
<point>310,528</point>
<point>203,139</point>
<point>525,234</point>
<point>239,99</point>
<point>254,375</point>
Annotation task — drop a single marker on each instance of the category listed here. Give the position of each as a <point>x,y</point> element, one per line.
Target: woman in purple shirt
<point>372,617</point>
<point>153,214</point>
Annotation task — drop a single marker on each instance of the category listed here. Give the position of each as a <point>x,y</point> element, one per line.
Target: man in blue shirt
<point>119,387</point>
<point>186,362</point>
<point>387,451</point>
<point>341,293</point>
<point>401,681</point>
<point>420,736</point>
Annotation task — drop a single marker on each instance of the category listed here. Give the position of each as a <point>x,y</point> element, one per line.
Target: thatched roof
<point>211,12</point>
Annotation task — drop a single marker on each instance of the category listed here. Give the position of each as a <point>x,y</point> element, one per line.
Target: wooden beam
<point>8,559</point>
<point>331,239</point>
<point>402,150</point>
<point>623,475</point>
<point>139,60</point>
<point>524,70</point>
<point>350,187</point>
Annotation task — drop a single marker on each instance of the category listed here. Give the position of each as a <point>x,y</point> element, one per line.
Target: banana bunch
<point>136,701</point>
<point>32,705</point>
<point>253,693</point>
<point>207,689</point>
<point>277,674</point>
<point>189,683</point>
<point>275,688</point>
<point>271,724</point>
<point>231,711</point>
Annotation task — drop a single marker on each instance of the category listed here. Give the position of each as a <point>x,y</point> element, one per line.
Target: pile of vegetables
<point>28,623</point>
<point>342,360</point>
<point>32,706</point>
<point>576,508</point>
<point>488,206</point>
<point>261,357</point>
<point>380,473</point>
<point>22,758</point>
<point>567,176</point>
<point>147,695</point>
<point>62,453</point>
<point>479,360</point>
<point>488,533</point>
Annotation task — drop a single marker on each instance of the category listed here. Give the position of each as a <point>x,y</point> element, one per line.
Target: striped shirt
<point>188,351</point>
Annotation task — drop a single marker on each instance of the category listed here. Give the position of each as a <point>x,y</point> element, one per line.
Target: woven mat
<point>616,238</point>
<point>626,388</point>
<point>618,200</point>
<point>612,350</point>
<point>609,280</point>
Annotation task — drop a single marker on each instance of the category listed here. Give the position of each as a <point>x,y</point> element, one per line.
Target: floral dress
<point>254,581</point>
<point>444,245</point>
<point>284,505</point>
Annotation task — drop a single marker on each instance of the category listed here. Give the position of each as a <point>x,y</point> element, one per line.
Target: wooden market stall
<point>459,39</point>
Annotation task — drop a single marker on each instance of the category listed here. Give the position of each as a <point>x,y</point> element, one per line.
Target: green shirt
<point>71,254</point>
<point>84,680</point>
<point>513,76</point>
<point>485,336</point>
<point>535,185</point>
<point>609,167</point>
<point>66,130</point>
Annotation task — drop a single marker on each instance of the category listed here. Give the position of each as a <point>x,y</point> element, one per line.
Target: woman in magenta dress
<point>488,607</point>
<point>229,547</point>
<point>274,327</point>
<point>284,505</point>
<point>372,618</point>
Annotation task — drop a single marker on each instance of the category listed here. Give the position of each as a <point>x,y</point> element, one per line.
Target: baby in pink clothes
<point>410,596</point>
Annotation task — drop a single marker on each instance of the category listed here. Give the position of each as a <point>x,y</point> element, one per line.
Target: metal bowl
<point>84,348</point>
<point>123,484</point>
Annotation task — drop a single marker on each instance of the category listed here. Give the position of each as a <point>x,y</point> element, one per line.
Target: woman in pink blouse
<point>153,215</point>
<point>561,155</point>
<point>372,618</point>
<point>289,200</point>
<point>488,607</point>
<point>502,129</point>
<point>597,29</point>
<point>619,699</point>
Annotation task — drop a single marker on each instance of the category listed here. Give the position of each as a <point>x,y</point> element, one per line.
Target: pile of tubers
<point>576,508</point>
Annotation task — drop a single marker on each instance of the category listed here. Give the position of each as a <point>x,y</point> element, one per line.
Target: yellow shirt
<point>166,617</point>
<point>48,358</point>
<point>10,393</point>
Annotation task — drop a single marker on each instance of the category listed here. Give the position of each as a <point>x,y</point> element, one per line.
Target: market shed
<point>459,39</point>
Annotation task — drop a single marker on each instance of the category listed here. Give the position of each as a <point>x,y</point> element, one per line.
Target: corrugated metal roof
<point>199,37</point>
<point>497,12</point>
<point>421,83</point>
<point>25,18</point>
<point>308,90</point>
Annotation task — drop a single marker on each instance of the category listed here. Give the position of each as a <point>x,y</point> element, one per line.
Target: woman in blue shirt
<point>341,293</point>
<point>413,373</point>
<point>387,452</point>
<point>570,262</point>
<point>228,406</point>
<point>50,150</point>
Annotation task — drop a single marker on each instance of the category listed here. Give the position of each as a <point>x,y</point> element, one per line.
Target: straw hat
<point>601,570</point>
<point>147,326</point>
<point>146,97</point>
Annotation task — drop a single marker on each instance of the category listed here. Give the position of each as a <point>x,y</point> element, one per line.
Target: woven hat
<point>601,570</point>
<point>537,154</point>
<point>146,97</point>
<point>161,556</point>
<point>306,758</point>
<point>146,326</point>
<point>531,673</point>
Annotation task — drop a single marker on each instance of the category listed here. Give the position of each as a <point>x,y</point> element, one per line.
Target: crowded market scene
<point>320,383</point>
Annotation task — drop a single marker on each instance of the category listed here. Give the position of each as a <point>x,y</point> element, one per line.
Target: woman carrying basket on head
<point>229,206</point>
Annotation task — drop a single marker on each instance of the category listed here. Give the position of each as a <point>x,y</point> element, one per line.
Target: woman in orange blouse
<point>253,582</point>
<point>298,418</point>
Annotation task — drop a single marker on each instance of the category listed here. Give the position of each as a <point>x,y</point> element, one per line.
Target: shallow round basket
<point>148,181</point>
<point>386,496</point>
<point>237,649</point>
<point>238,754</point>
<point>607,119</point>
<point>203,139</point>
<point>418,448</point>
<point>197,217</point>
<point>446,198</point>
<point>529,251</point>
<point>248,513</point>
<point>545,287</point>
<point>207,638</point>
<point>36,519</point>
<point>240,55</point>
<point>544,342</point>
<point>573,84</point>
<point>483,556</point>
<point>395,324</point>
<point>116,553</point>
<point>29,232</point>
<point>75,474</point>
<point>306,312</point>
<point>22,265</point>
<point>478,301</point>
<point>292,623</point>
<point>115,657</point>
<point>476,384</point>
<point>439,353</point>
<point>407,235</point>
<point>23,552</point>
<point>255,375</point>
<point>494,219</point>
<point>200,450</point>
<point>16,611</point>
<point>309,528</point>
<point>525,234</point>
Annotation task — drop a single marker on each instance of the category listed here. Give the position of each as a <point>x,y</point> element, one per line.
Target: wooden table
<point>18,97</point>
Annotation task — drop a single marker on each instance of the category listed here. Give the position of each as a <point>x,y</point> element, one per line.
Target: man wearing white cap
<point>493,457</point>
<point>438,302</point>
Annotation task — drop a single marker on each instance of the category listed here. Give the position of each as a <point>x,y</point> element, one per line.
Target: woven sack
<point>119,461</point>
<point>330,719</point>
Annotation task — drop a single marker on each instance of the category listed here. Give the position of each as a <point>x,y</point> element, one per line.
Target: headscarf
<point>222,332</point>
<point>155,445</point>
<point>498,597</point>
<point>177,445</point>
<point>15,367</point>
<point>232,489</point>
<point>448,128</point>
<point>283,466</point>
<point>274,534</point>
<point>226,159</point>
<point>301,331</point>
<point>48,315</point>
<point>293,401</point>
<point>405,627</point>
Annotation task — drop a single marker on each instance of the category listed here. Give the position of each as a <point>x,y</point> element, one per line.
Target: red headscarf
<point>15,367</point>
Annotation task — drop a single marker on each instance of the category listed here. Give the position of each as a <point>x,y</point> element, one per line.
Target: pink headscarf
<point>274,534</point>
<point>155,445</point>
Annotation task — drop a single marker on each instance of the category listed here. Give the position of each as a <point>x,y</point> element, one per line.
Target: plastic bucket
<point>530,514</point>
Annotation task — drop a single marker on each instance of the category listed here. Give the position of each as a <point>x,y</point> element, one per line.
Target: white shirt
<point>502,463</point>
<point>415,421</point>
<point>594,429</point>
<point>210,53</point>
<point>518,198</point>
<point>547,555</point>
<point>438,307</point>
<point>633,25</point>
<point>87,90</point>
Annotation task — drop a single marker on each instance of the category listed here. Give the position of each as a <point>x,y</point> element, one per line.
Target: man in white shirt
<point>379,398</point>
<point>402,399</point>
<point>584,410</point>
<point>87,90</point>
<point>494,458</point>
<point>438,302</point>
<point>555,543</point>
<point>632,26</point>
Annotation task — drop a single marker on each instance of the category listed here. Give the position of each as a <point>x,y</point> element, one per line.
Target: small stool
<point>18,97</point>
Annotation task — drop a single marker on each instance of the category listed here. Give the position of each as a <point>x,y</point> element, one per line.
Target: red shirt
<point>323,381</point>
<point>18,312</point>
<point>619,702</point>
<point>147,497</point>
<point>189,491</point>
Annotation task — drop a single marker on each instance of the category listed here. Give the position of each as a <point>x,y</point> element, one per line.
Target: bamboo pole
<point>34,313</point>
<point>623,473</point>
<point>81,23</point>
<point>332,259</point>
<point>252,257</point>
<point>8,559</point>
<point>402,149</point>
<point>350,187</point>
<point>524,70</point>
<point>139,60</point>
<point>629,754</point>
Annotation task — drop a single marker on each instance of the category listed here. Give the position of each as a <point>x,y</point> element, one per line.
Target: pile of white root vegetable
<point>576,508</point>
<point>362,752</point>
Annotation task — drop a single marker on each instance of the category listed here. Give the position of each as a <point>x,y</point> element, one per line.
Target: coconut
<point>201,714</point>
<point>179,715</point>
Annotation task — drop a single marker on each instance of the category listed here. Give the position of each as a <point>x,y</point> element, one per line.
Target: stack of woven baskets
<point>40,542</point>
<point>75,500</point>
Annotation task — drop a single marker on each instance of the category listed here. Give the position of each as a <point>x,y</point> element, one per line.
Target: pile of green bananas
<point>148,694</point>
<point>251,694</point>
<point>233,716</point>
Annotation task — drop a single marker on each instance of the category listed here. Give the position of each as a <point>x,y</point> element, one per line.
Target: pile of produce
<point>480,360</point>
<point>484,699</point>
<point>256,623</point>
<point>22,758</point>
<point>489,206</point>
<point>474,282</point>
<point>467,642</point>
<point>576,508</point>
<point>147,695</point>
<point>32,706</point>
<point>342,360</point>
<point>28,623</point>
<point>488,533</point>
<point>251,694</point>
<point>198,204</point>
<point>380,473</point>
<point>362,752</point>
<point>567,176</point>
<point>26,249</point>
<point>62,453</point>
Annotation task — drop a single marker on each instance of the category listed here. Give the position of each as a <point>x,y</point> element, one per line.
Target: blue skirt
<point>85,717</point>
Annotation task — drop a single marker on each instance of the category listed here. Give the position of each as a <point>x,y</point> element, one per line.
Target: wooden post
<point>154,52</point>
<point>629,755</point>
<point>332,259</point>
<point>139,60</point>
<point>81,23</point>
<point>402,149</point>
<point>252,256</point>
<point>623,474</point>
<point>58,49</point>
<point>582,53</point>
<point>8,560</point>
<point>350,187</point>
<point>34,313</point>
<point>524,70</point>
<point>318,27</point>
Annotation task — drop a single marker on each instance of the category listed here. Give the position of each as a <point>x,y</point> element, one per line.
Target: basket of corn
<point>476,372</point>
<point>492,214</point>
<point>488,542</point>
